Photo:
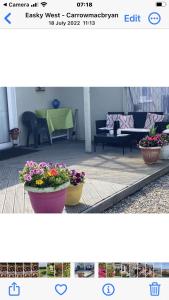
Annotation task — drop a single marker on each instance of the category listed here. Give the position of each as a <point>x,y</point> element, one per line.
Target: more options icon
<point>154,18</point>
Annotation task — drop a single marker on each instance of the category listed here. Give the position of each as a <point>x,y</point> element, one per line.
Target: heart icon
<point>60,289</point>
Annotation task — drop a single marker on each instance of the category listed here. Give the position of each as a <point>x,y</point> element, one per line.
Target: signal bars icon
<point>34,5</point>
<point>43,4</point>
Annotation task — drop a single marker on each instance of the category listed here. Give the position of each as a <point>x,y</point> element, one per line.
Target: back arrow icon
<point>6,18</point>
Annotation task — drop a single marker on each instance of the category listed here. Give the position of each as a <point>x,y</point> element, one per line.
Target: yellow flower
<point>39,182</point>
<point>49,174</point>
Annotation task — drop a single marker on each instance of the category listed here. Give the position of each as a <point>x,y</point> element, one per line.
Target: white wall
<point>73,97</point>
<point>103,99</point>
<point>28,99</point>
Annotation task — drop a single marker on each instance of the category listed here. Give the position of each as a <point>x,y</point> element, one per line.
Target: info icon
<point>108,289</point>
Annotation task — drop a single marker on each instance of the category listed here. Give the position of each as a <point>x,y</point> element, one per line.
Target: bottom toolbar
<point>84,280</point>
<point>83,289</point>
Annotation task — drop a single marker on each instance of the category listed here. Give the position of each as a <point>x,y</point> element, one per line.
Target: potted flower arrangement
<point>14,134</point>
<point>150,148</point>
<point>165,148</point>
<point>46,184</point>
<point>74,191</point>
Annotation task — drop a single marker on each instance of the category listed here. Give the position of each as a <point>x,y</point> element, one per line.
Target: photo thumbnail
<point>133,270</point>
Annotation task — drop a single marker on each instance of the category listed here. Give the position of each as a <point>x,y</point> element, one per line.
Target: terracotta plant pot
<point>74,193</point>
<point>81,274</point>
<point>150,154</point>
<point>14,137</point>
<point>48,200</point>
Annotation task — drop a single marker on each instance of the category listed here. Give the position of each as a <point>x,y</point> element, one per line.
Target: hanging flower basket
<point>46,184</point>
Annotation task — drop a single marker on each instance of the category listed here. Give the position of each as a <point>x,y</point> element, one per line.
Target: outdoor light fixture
<point>40,89</point>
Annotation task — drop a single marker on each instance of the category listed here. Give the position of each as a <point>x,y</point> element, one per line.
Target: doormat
<point>14,152</point>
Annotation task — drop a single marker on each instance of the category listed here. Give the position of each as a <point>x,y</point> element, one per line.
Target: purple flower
<point>27,177</point>
<point>41,171</point>
<point>31,172</point>
<point>38,171</point>
<point>51,165</point>
<point>60,165</point>
<point>30,164</point>
<point>73,172</point>
<point>76,177</point>
<point>43,165</point>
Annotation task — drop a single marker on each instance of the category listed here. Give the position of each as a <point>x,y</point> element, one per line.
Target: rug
<point>14,152</point>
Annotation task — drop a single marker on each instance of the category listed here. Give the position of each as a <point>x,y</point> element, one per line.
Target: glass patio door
<point>4,119</point>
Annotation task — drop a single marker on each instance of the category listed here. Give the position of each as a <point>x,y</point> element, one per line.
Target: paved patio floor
<point>110,176</point>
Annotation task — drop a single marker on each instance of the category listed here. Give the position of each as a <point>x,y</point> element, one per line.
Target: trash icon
<point>155,289</point>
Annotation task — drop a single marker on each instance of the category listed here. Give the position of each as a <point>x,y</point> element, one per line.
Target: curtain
<point>148,99</point>
<point>4,118</point>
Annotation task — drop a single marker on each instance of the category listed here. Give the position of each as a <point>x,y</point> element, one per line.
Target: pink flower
<point>43,164</point>
<point>27,177</point>
<point>60,165</point>
<point>31,172</point>
<point>38,171</point>
<point>30,164</point>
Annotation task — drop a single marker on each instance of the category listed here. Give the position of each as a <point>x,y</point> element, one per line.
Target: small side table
<point>121,140</point>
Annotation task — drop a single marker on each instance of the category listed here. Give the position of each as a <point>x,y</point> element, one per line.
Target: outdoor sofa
<point>138,129</point>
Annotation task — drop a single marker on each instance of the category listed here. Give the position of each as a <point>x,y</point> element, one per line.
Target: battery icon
<point>161,4</point>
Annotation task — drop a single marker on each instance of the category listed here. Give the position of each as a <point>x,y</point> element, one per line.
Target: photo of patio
<point>141,270</point>
<point>157,269</point>
<point>149,270</point>
<point>95,131</point>
<point>84,270</point>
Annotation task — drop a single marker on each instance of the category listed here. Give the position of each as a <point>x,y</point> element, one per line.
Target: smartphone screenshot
<point>84,150</point>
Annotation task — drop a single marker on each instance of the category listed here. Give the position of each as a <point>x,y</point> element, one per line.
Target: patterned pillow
<point>152,119</point>
<point>126,121</point>
<point>111,118</point>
